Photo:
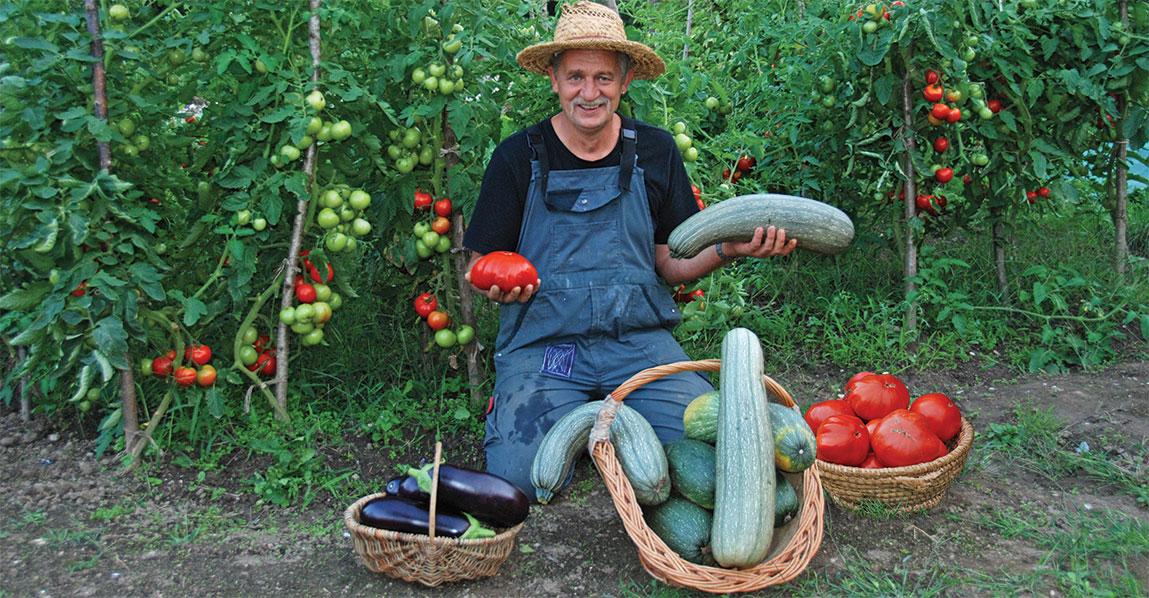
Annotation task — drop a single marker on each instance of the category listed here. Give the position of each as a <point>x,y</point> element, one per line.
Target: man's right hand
<point>519,294</point>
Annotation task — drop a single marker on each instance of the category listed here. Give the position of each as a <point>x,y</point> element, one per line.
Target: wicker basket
<point>906,489</point>
<point>794,543</point>
<point>429,560</point>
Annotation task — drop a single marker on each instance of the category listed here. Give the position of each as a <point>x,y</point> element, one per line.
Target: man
<point>589,198</point>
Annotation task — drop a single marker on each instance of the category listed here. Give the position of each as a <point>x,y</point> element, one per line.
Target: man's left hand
<point>767,242</point>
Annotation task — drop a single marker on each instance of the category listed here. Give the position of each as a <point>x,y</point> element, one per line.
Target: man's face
<point>589,84</point>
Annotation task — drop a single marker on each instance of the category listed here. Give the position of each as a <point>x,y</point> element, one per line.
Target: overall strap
<point>626,166</point>
<point>539,152</point>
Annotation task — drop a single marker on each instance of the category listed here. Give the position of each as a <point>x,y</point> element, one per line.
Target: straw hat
<point>590,26</point>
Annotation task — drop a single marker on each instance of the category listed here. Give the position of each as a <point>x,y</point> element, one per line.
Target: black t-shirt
<point>498,215</point>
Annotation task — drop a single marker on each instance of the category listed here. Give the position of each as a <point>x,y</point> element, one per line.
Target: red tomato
<point>860,375</point>
<point>269,364</point>
<point>965,179</point>
<point>197,354</point>
<point>438,320</point>
<point>305,293</point>
<point>697,294</point>
<point>954,115</point>
<point>260,361</point>
<point>734,176</point>
<point>941,201</point>
<point>1031,196</point>
<point>994,106</point>
<point>940,111</point>
<point>185,376</point>
<point>904,438</point>
<point>924,204</point>
<point>932,77</point>
<point>944,175</point>
<point>423,201</point>
<point>261,341</point>
<point>80,290</point>
<point>933,93</point>
<point>875,396</point>
<point>872,426</point>
<point>745,163</point>
<point>943,416</point>
<point>819,412</point>
<point>843,439</point>
<point>1044,192</point>
<point>941,144</point>
<point>170,355</point>
<point>871,462</point>
<point>504,269</point>
<point>206,376</point>
<point>441,225</point>
<point>698,196</point>
<point>161,367</point>
<point>725,174</point>
<point>425,304</point>
<point>443,207</point>
<point>315,276</point>
<point>679,296</point>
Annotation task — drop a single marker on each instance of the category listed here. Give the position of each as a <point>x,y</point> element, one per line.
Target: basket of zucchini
<point>761,473</point>
<point>438,524</point>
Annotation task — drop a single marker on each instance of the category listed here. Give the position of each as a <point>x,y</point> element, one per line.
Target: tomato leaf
<point>214,400</point>
<point>110,335</point>
<point>25,299</point>
<point>194,309</point>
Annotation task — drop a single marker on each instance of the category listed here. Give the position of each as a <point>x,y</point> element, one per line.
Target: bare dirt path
<point>71,526</point>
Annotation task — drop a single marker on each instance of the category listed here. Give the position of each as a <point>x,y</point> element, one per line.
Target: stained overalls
<point>600,315</point>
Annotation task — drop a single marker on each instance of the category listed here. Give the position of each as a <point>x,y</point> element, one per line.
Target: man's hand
<point>766,243</point>
<point>520,294</point>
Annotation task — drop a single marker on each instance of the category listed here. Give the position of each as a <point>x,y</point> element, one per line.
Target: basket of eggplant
<point>438,523</point>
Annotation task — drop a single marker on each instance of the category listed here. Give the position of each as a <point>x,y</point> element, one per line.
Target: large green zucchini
<point>684,526</point>
<point>744,472</point>
<point>639,453</point>
<point>819,227</point>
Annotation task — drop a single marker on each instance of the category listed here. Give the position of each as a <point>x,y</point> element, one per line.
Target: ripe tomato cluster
<point>184,375</point>
<point>742,167</point>
<point>1031,196</point>
<point>431,232</point>
<point>875,425</point>
<point>256,352</point>
<point>681,295</point>
<point>340,215</point>
<point>316,300</point>
<point>427,307</point>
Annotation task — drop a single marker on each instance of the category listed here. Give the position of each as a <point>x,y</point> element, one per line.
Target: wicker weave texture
<point>906,489</point>
<point>793,545</point>
<point>429,561</point>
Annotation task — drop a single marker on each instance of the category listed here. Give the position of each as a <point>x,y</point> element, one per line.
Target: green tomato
<point>177,57</point>
<point>682,141</point>
<point>421,249</point>
<point>302,327</point>
<point>443,245</point>
<point>828,84</point>
<point>341,130</point>
<point>359,199</point>
<point>711,102</point>
<point>198,55</point>
<point>289,152</point>
<point>465,335</point>
<point>679,128</point>
<point>327,218</point>
<point>453,45</point>
<point>420,229</point>
<point>287,316</point>
<point>436,69</point>
<point>261,68</point>
<point>119,12</point>
<point>335,301</point>
<point>431,84</point>
<point>247,355</point>
<point>427,155</point>
<point>324,133</point>
<point>126,127</point>
<point>312,338</point>
<point>446,338</point>
<point>456,71</point>
<point>141,142</point>
<point>412,137</point>
<point>430,238</point>
<point>336,242</point>
<point>314,124</point>
<point>259,224</point>
<point>360,227</point>
<point>304,312</point>
<point>243,217</point>
<point>691,154</point>
<point>332,198</point>
<point>316,100</point>
<point>418,76</point>
<point>346,214</point>
<point>305,142</point>
<point>322,292</point>
<point>250,334</point>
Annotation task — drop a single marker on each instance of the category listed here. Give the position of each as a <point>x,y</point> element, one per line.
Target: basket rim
<point>351,520</point>
<point>790,562</point>
<point>960,451</point>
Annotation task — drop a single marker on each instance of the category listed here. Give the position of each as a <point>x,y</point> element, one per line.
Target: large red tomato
<point>425,304</point>
<point>943,416</point>
<point>904,438</point>
<point>504,269</point>
<point>871,462</point>
<point>818,412</point>
<point>860,375</point>
<point>875,396</point>
<point>843,439</point>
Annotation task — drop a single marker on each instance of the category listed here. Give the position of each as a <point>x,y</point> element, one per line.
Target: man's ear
<point>626,82</point>
<point>554,81</point>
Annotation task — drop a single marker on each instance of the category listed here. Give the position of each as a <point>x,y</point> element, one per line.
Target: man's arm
<point>766,243</point>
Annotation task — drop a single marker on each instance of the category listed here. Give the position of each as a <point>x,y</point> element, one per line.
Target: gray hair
<point>623,61</point>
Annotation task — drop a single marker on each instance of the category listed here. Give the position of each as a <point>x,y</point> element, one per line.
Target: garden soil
<point>72,524</point>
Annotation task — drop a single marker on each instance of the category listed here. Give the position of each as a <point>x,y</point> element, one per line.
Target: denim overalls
<point>601,314</point>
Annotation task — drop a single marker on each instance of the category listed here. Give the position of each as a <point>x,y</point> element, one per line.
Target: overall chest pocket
<point>585,228</point>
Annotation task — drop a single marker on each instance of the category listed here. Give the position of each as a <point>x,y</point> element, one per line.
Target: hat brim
<point>644,62</point>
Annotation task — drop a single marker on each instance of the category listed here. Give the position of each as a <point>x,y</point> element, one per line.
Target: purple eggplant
<point>400,514</point>
<point>488,497</point>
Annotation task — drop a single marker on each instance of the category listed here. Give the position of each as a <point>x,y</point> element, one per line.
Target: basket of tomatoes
<point>875,445</point>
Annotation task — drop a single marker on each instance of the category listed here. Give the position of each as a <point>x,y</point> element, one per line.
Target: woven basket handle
<point>434,489</point>
<point>601,430</point>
